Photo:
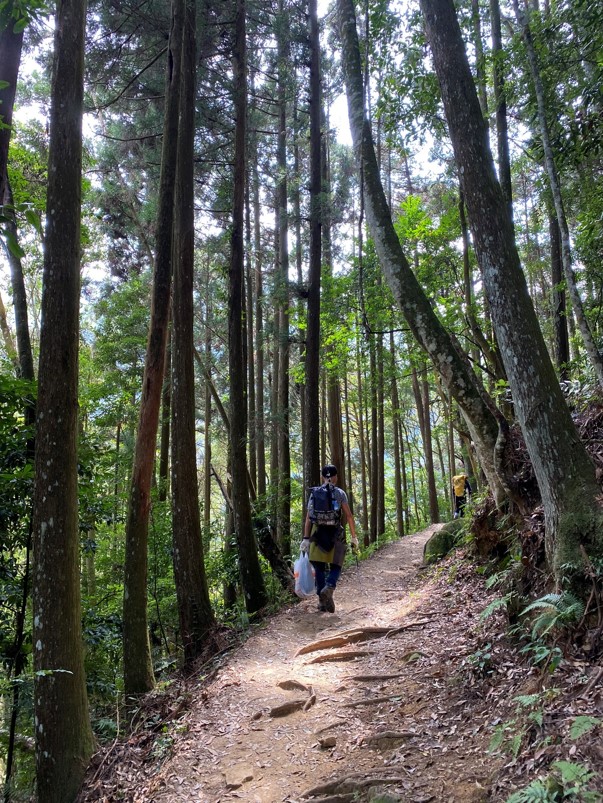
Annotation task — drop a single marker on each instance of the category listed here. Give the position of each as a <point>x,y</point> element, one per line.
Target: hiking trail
<point>335,707</point>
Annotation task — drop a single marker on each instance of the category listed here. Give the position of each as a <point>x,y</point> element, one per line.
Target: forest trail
<point>378,707</point>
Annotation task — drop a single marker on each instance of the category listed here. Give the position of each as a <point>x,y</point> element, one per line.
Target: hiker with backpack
<point>324,539</point>
<point>460,487</point>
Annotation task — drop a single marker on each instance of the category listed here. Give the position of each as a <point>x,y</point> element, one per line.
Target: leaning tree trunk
<point>416,307</point>
<point>564,472</point>
<point>195,613</point>
<point>138,669</point>
<point>249,564</point>
<point>64,740</point>
<point>594,356</point>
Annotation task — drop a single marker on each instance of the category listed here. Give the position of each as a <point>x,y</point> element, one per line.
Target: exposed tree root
<point>356,636</point>
<point>373,678</point>
<point>285,709</point>
<point>351,783</point>
<point>339,656</point>
<point>377,737</point>
<point>372,701</point>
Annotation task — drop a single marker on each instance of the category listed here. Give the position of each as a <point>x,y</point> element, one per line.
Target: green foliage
<point>557,611</point>
<point>584,724</point>
<point>526,724</point>
<point>495,605</point>
<point>567,781</point>
<point>19,13</point>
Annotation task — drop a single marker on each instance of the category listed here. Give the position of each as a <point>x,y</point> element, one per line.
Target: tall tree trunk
<point>164,449</point>
<point>260,430</point>
<point>564,472</point>
<point>64,740</point>
<point>500,102</point>
<point>195,613</point>
<point>480,61</point>
<point>249,564</point>
<point>421,393</point>
<point>282,292</point>
<point>24,350</point>
<point>398,452</point>
<point>374,440</point>
<point>11,45</point>
<point>380,435</point>
<point>417,309</point>
<point>138,669</point>
<point>311,402</point>
<point>594,356</point>
<point>559,308</point>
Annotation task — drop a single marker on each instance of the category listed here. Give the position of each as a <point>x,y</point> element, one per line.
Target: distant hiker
<point>461,488</point>
<point>324,535</point>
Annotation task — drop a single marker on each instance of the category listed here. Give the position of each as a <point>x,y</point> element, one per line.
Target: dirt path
<point>334,724</point>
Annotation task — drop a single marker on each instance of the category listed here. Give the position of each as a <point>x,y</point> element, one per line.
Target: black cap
<point>329,471</point>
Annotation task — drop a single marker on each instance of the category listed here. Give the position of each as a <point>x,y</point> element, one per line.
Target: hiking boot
<point>326,598</point>
<point>320,607</point>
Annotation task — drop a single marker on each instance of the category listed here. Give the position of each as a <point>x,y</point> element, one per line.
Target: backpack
<point>326,515</point>
<point>458,483</point>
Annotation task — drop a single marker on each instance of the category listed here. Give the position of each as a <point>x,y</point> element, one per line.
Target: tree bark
<point>11,45</point>
<point>311,402</point>
<point>249,565</point>
<point>562,354</point>
<point>500,103</point>
<point>195,613</point>
<point>282,292</point>
<point>563,469</point>
<point>64,740</point>
<point>416,307</point>
<point>138,669</point>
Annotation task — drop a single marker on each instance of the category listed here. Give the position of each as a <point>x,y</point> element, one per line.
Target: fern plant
<point>556,611</point>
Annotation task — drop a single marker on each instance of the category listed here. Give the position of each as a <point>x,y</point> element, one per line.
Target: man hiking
<point>324,538</point>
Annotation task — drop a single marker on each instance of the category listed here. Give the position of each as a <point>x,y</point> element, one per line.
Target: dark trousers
<point>459,505</point>
<point>325,574</point>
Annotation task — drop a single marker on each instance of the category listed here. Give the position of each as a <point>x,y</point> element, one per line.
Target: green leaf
<point>582,725</point>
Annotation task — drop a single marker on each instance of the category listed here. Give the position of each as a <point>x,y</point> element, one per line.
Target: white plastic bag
<point>304,576</point>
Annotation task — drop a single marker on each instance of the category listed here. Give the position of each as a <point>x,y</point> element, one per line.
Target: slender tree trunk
<point>480,60</point>
<point>195,613</point>
<point>260,430</point>
<point>594,356</point>
<point>312,355</point>
<point>249,297</point>
<point>24,350</point>
<point>500,102</point>
<point>11,45</point>
<point>559,308</point>
<point>421,393</point>
<point>563,469</point>
<point>164,449</point>
<point>249,565</point>
<point>398,453</point>
<point>138,669</point>
<point>283,445</point>
<point>374,441</point>
<point>64,740</point>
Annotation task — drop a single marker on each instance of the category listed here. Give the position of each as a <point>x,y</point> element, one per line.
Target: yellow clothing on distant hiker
<point>459,483</point>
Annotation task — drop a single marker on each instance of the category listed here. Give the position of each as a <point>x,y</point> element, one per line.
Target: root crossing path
<point>351,706</point>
